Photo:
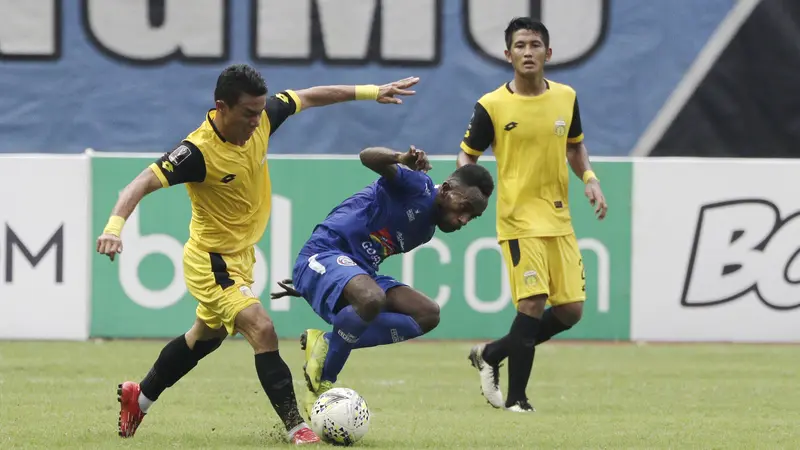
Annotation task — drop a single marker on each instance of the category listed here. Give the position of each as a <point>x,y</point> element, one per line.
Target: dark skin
<point>456,206</point>
<point>528,54</point>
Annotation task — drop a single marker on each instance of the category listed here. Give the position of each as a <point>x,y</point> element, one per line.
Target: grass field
<point>422,395</point>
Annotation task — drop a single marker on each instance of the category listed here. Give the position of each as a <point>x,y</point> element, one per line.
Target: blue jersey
<point>385,218</point>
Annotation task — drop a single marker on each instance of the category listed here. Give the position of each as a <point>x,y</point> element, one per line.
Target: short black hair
<point>236,80</point>
<point>475,175</point>
<point>526,23</point>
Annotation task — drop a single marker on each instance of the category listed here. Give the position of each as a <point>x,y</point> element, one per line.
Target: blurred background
<point>674,77</point>
<point>94,90</point>
<point>691,112</point>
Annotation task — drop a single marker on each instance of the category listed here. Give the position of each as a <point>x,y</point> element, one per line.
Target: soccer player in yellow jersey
<point>223,164</point>
<point>533,125</point>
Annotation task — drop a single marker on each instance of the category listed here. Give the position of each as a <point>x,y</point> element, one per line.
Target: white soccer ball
<point>340,416</point>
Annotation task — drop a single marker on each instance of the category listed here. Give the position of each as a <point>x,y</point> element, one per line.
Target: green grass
<point>422,395</point>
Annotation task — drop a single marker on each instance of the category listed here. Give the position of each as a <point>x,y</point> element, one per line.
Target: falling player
<point>530,122</point>
<point>224,166</point>
<point>336,270</point>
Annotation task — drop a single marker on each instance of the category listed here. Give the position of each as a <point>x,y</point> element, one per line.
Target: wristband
<point>588,176</point>
<point>367,92</point>
<point>114,225</point>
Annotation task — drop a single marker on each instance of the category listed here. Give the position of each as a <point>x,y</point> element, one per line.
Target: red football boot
<point>130,415</point>
<point>304,436</point>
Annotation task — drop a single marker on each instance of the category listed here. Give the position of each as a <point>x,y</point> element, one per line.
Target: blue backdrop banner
<point>138,75</point>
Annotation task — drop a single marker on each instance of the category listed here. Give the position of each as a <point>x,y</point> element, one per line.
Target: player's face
<point>457,206</point>
<point>242,120</point>
<point>527,53</point>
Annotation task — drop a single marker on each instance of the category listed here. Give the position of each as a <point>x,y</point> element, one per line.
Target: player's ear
<point>221,105</point>
<point>508,56</point>
<point>548,55</point>
<point>446,187</point>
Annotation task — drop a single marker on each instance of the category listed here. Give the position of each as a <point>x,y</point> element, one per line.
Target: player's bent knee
<point>570,313</point>
<point>202,332</point>
<point>365,296</point>
<point>256,325</point>
<point>264,328</point>
<point>372,307</point>
<point>428,318</point>
<point>533,306</point>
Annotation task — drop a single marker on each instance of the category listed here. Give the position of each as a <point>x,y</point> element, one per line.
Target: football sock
<point>347,329</point>
<point>175,360</point>
<point>276,379</point>
<point>496,351</point>
<point>550,327</point>
<point>389,328</point>
<point>520,356</point>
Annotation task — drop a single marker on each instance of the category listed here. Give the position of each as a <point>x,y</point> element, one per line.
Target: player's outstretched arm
<point>109,243</point>
<point>465,158</point>
<point>384,161</point>
<point>328,95</point>
<point>578,158</point>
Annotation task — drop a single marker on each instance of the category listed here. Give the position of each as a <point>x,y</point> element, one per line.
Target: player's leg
<point>320,278</point>
<point>241,312</point>
<point>365,299</point>
<point>177,358</point>
<point>256,326</point>
<point>568,282</point>
<point>408,314</point>
<point>528,273</point>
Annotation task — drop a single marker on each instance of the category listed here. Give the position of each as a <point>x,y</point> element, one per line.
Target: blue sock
<point>348,324</point>
<point>389,328</point>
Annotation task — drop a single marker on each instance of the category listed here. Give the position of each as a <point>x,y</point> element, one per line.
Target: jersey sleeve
<point>575,129</point>
<point>184,164</point>
<point>408,182</point>
<point>280,106</point>
<point>480,132</point>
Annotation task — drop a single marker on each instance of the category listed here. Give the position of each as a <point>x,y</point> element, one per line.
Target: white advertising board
<point>716,251</point>
<point>44,245</point>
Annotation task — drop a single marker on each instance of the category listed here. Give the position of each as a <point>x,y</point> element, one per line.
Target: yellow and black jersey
<point>529,136</point>
<point>228,185</point>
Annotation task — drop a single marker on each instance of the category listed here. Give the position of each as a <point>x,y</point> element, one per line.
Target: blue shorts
<point>321,278</point>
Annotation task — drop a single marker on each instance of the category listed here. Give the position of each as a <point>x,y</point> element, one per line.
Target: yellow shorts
<point>552,266</point>
<point>221,283</point>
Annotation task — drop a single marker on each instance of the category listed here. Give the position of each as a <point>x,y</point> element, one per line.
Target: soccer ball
<point>340,416</point>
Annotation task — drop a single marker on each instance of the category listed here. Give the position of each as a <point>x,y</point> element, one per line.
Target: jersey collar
<point>214,127</point>
<point>508,86</point>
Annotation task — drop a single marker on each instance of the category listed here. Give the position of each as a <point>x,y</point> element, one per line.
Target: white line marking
<point>705,60</point>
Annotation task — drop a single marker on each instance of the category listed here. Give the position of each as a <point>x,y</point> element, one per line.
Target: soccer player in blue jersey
<point>336,270</point>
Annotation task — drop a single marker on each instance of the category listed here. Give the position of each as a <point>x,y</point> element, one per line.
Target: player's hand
<point>387,92</point>
<point>416,159</point>
<point>109,245</point>
<point>596,198</point>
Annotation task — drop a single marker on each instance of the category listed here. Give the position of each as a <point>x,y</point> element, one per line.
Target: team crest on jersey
<point>179,155</point>
<point>560,128</point>
<point>345,261</point>
<point>530,277</point>
<point>384,239</point>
